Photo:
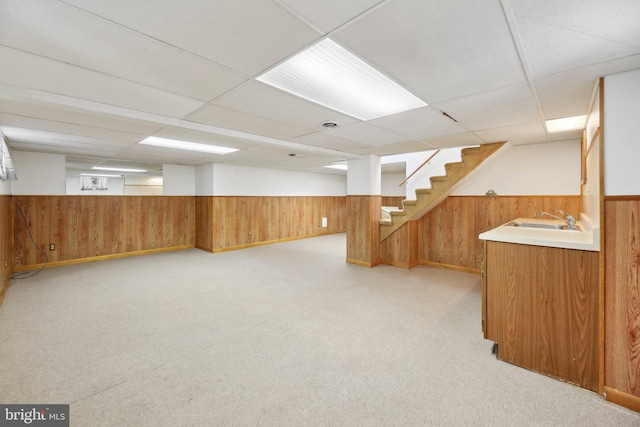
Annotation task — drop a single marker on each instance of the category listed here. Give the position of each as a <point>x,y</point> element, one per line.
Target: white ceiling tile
<point>263,100</point>
<point>328,140</point>
<point>67,128</point>
<point>76,117</point>
<point>613,20</point>
<point>568,93</point>
<point>420,123</point>
<point>526,133</point>
<point>216,115</point>
<point>330,14</point>
<point>551,49</point>
<point>245,35</point>
<point>399,148</point>
<point>566,136</point>
<point>460,140</point>
<point>29,71</point>
<point>53,138</point>
<point>55,30</point>
<point>367,134</point>
<point>438,50</point>
<point>497,108</point>
<point>76,150</point>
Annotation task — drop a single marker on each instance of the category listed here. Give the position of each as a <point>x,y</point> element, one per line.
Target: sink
<point>542,225</point>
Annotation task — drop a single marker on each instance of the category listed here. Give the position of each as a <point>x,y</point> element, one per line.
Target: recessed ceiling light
<point>566,124</point>
<point>329,75</point>
<point>100,168</point>
<point>184,145</point>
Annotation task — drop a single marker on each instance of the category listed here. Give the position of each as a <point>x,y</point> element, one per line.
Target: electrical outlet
<point>6,263</point>
<point>52,247</point>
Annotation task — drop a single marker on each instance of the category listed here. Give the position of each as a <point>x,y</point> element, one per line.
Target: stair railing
<point>418,168</point>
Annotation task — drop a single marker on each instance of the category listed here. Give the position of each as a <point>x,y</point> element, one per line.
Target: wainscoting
<point>234,222</point>
<point>99,227</point>
<point>6,244</point>
<point>447,236</point>
<point>622,312</point>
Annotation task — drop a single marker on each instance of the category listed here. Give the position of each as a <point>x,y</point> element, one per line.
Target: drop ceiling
<point>90,79</point>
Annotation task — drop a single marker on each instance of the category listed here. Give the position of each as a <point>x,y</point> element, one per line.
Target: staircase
<point>441,187</point>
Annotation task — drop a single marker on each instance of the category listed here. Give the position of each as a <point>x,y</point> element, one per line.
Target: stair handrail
<point>419,167</point>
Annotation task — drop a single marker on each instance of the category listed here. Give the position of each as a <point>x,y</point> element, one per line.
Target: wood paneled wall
<point>401,248</point>
<point>84,227</point>
<point>392,201</point>
<point>363,230</point>
<point>234,222</point>
<point>6,244</point>
<point>622,290</point>
<point>448,234</point>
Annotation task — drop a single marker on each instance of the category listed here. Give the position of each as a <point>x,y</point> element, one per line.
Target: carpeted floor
<point>280,335</point>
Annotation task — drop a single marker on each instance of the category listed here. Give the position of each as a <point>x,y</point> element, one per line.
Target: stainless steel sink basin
<point>542,225</point>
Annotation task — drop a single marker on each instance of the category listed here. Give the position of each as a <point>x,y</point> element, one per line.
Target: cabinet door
<point>542,309</point>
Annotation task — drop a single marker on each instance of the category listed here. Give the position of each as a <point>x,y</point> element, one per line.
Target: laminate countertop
<point>585,238</point>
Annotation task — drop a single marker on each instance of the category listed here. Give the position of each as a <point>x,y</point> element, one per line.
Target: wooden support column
<point>363,230</point>
<point>364,205</point>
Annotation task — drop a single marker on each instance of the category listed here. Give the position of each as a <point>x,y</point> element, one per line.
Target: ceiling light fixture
<point>566,124</point>
<point>329,75</point>
<point>339,167</point>
<point>101,174</point>
<point>100,168</point>
<point>185,145</point>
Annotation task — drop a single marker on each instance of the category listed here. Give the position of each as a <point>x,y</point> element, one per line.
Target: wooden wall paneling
<point>392,201</point>
<point>622,290</point>
<point>448,234</point>
<point>6,243</point>
<point>363,230</point>
<point>85,227</point>
<point>401,248</point>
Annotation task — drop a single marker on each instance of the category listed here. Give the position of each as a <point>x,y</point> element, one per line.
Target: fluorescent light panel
<point>100,168</point>
<point>101,174</point>
<point>340,167</point>
<point>566,124</point>
<point>185,145</point>
<point>330,75</point>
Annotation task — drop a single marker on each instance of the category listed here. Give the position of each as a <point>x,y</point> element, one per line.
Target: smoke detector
<point>329,125</point>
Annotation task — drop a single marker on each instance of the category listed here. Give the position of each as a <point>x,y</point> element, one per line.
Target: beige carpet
<point>279,335</point>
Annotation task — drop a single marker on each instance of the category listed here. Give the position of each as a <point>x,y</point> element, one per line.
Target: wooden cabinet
<point>540,305</point>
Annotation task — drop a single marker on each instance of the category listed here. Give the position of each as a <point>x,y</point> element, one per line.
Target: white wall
<point>39,174</point>
<point>234,180</point>
<point>551,168</point>
<point>115,187</point>
<point>178,180</point>
<point>621,136</point>
<point>204,180</point>
<point>364,176</point>
<point>390,183</point>
<point>143,186</point>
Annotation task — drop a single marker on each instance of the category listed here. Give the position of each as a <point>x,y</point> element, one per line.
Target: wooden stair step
<point>441,186</point>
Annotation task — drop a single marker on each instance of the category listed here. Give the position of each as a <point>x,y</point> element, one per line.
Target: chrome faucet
<point>571,221</point>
